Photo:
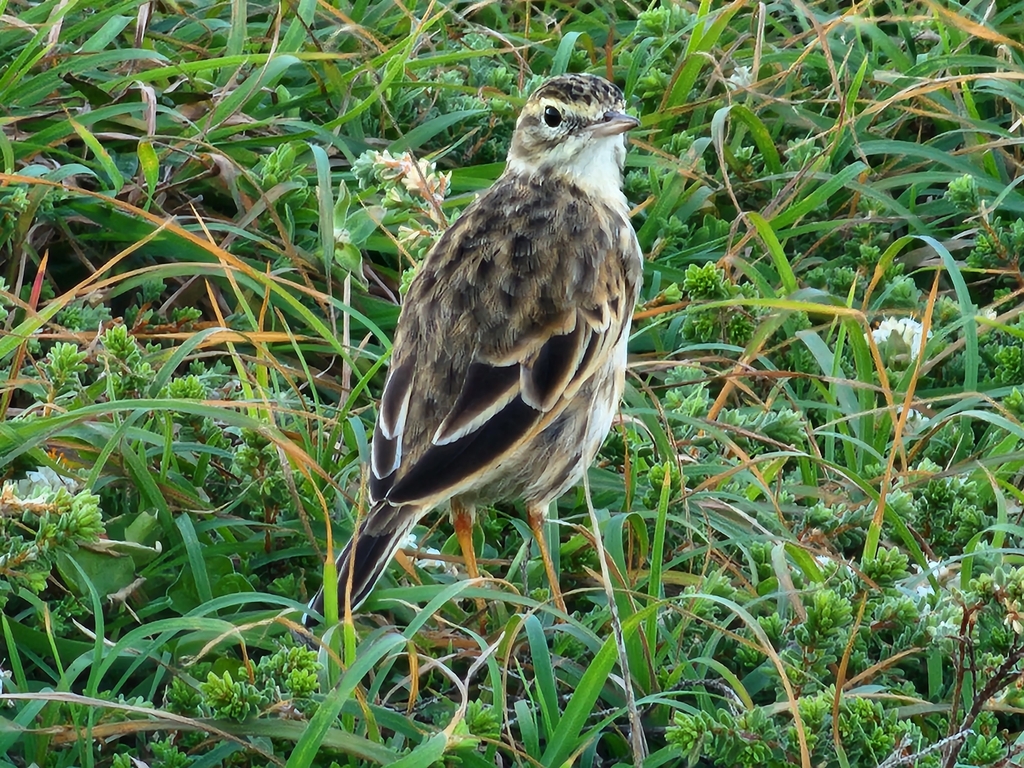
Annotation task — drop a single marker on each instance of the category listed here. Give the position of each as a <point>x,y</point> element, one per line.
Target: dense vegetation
<point>810,507</point>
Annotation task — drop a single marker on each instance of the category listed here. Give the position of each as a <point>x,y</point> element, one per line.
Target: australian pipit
<point>510,351</point>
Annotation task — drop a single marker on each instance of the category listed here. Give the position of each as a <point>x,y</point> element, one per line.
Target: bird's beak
<point>614,123</point>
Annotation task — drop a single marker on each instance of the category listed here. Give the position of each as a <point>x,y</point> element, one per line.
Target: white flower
<point>43,481</point>
<point>900,336</point>
<point>423,556</point>
<point>429,562</point>
<point>418,176</point>
<point>915,419</point>
<point>742,77</point>
<point>987,317</point>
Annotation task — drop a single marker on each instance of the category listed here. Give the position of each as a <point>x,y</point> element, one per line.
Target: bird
<point>509,355</point>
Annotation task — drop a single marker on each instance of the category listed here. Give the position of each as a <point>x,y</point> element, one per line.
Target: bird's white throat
<point>594,164</point>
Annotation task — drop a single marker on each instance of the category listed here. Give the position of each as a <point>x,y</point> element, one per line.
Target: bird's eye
<point>552,117</point>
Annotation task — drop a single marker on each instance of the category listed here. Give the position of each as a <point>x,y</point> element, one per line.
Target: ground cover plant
<point>810,506</point>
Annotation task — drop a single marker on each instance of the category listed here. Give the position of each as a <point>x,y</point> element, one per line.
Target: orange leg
<point>463,520</point>
<point>537,516</point>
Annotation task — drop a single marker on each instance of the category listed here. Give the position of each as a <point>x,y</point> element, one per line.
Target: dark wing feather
<point>448,466</point>
<point>487,390</point>
<point>386,452</point>
<point>545,376</point>
<point>560,364</point>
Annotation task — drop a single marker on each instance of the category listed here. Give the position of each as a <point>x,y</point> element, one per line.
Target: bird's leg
<point>537,516</point>
<point>463,520</point>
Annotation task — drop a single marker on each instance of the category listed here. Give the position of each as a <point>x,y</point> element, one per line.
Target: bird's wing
<point>510,315</point>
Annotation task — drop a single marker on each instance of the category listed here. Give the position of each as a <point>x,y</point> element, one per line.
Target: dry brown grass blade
<point>164,721</point>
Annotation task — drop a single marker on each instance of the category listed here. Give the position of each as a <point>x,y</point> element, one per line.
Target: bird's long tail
<point>364,559</point>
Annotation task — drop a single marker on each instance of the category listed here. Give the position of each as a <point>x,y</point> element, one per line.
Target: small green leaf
<point>102,157</point>
<point>150,165</point>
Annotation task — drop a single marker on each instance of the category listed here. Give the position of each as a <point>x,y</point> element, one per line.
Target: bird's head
<point>573,125</point>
